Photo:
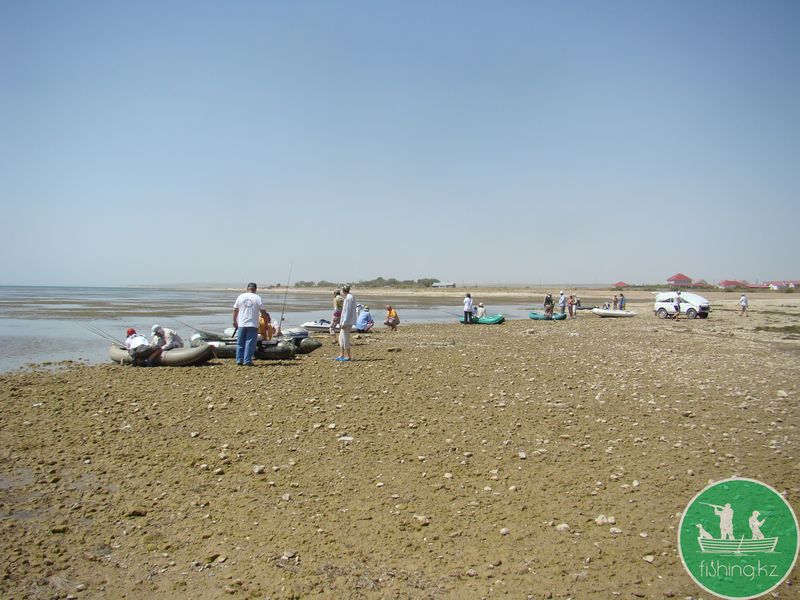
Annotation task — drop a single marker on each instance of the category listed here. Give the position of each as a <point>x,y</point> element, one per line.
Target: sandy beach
<point>444,462</point>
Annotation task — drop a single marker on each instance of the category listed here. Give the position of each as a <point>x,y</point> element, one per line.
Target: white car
<point>692,305</point>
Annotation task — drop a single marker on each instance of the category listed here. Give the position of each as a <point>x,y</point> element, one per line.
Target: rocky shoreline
<point>541,459</point>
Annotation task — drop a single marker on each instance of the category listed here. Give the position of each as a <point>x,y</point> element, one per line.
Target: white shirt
<point>467,304</point>
<point>743,300</point>
<point>249,305</point>
<point>171,338</point>
<point>348,311</point>
<point>562,300</point>
<point>481,311</point>
<point>135,340</point>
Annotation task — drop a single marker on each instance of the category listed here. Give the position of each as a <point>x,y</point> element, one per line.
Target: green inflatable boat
<point>540,316</point>
<point>487,320</point>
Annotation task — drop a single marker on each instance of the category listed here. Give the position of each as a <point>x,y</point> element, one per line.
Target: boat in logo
<point>738,538</point>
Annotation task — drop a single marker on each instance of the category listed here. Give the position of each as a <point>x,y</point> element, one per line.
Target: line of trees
<point>378,282</point>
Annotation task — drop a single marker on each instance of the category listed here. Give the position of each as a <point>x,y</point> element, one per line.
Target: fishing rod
<point>99,332</point>
<point>447,312</point>
<point>286,295</point>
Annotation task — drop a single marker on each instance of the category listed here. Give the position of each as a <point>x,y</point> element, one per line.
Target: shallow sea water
<point>46,325</point>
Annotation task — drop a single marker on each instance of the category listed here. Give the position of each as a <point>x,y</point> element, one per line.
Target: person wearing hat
<point>562,302</point>
<point>392,320</point>
<point>165,338</point>
<point>364,322</point>
<point>548,305</point>
<point>140,351</point>
<point>246,310</point>
<point>481,310</point>
<point>346,325</point>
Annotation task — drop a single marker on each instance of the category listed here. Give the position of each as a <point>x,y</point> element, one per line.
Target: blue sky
<point>477,142</point>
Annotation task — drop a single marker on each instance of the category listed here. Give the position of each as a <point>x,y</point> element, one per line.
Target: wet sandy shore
<point>437,465</point>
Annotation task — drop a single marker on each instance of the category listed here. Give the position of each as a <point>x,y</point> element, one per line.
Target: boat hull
<point>540,316</point>
<point>487,320</point>
<point>612,313</point>
<point>178,357</point>
<point>737,546</point>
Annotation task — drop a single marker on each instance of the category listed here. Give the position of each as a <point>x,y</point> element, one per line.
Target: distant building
<point>680,280</point>
<point>620,284</point>
<point>443,284</point>
<point>730,284</point>
<point>699,282</point>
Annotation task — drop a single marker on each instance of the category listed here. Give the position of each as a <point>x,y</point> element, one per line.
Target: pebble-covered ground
<point>529,459</point>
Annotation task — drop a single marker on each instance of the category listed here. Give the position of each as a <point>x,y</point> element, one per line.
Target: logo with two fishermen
<point>738,538</point>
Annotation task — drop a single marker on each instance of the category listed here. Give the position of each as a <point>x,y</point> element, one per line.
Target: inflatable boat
<point>177,357</point>
<point>323,325</point>
<point>610,312</point>
<point>540,316</point>
<point>487,320</point>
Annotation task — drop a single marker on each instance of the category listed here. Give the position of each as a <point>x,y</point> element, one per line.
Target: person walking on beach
<point>246,310</point>
<point>392,320</point>
<point>165,338</point>
<point>562,302</point>
<point>468,308</point>
<point>140,351</point>
<point>338,301</point>
<point>677,305</point>
<point>743,303</point>
<point>346,323</point>
<point>621,301</point>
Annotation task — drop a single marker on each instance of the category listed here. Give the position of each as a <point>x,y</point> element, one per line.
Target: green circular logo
<point>738,538</point>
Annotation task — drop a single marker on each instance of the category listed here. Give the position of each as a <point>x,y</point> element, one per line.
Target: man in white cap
<point>165,338</point>
<point>246,310</point>
<point>346,325</point>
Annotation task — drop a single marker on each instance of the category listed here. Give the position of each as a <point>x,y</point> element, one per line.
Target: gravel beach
<point>446,461</point>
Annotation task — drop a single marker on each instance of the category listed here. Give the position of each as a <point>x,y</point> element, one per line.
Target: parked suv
<point>692,305</point>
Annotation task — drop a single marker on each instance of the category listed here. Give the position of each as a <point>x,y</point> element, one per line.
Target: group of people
<point>617,302</point>
<point>350,317</point>
<point>566,304</point>
<point>471,311</point>
<point>147,353</point>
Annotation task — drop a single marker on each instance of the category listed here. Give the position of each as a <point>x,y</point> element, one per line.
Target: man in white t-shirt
<point>140,351</point>
<point>246,309</point>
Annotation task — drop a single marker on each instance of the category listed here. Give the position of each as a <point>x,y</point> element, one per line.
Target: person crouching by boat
<point>165,338</point>
<point>481,310</point>
<point>364,322</point>
<point>392,320</point>
<point>346,324</point>
<point>338,302</point>
<point>245,319</point>
<point>140,350</point>
<point>468,308</point>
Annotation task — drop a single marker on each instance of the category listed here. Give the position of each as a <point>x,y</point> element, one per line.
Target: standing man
<point>346,325</point>
<point>621,301</point>
<point>246,310</point>
<point>677,306</point>
<point>468,308</point>
<point>562,302</point>
<point>743,303</point>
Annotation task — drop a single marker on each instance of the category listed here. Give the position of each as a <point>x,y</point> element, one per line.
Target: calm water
<point>51,324</point>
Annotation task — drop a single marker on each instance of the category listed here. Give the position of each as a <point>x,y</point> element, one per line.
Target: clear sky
<point>158,142</point>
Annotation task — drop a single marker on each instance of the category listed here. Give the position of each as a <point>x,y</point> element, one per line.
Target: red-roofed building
<point>729,284</point>
<point>680,280</point>
<point>620,284</point>
<point>699,282</point>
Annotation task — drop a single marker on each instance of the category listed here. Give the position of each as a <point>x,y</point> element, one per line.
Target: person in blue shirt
<point>364,322</point>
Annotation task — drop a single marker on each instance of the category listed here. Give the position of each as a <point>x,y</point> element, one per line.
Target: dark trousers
<point>467,316</point>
